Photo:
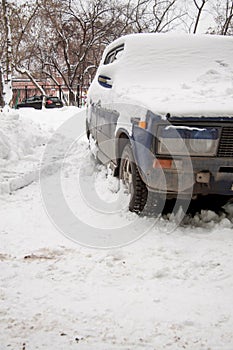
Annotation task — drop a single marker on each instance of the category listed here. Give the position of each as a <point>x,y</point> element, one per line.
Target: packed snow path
<point>164,291</point>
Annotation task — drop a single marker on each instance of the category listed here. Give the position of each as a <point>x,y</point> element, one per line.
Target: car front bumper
<point>199,176</point>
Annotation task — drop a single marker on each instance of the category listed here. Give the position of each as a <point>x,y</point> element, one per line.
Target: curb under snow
<point>16,181</point>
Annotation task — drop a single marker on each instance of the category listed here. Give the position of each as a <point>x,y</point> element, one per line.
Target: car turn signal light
<point>142,124</point>
<point>162,163</point>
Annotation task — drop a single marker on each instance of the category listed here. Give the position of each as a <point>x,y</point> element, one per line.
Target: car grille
<point>225,148</point>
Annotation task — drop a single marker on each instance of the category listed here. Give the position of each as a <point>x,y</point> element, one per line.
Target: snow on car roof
<point>179,74</point>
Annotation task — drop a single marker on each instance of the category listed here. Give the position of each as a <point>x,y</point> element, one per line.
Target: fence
<point>22,90</point>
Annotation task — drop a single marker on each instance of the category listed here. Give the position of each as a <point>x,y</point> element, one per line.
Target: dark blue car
<point>160,112</point>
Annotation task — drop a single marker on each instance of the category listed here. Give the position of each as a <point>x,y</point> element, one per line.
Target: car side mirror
<point>105,81</point>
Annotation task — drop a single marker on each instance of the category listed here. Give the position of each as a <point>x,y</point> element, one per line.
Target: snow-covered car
<point>160,111</point>
<point>36,102</point>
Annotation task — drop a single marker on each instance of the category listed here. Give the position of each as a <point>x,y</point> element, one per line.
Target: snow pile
<point>23,137</point>
<point>21,145</point>
<point>18,137</point>
<point>49,119</point>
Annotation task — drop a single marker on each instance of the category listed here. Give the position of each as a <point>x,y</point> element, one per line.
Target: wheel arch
<point>122,138</point>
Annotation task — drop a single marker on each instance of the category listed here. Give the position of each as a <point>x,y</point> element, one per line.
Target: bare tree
<point>17,48</point>
<point>154,15</point>
<point>222,13</point>
<point>224,17</point>
<point>228,18</point>
<point>200,7</point>
<point>76,34</point>
<point>25,31</point>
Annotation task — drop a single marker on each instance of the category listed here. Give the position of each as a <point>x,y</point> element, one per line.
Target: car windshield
<point>53,98</point>
<point>33,98</point>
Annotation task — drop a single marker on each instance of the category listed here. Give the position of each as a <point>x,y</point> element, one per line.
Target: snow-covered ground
<point>170,289</point>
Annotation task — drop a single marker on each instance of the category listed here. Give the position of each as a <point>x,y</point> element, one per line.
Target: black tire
<point>210,202</point>
<point>132,181</point>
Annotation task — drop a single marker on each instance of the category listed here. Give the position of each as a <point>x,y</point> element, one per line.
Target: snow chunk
<point>18,137</point>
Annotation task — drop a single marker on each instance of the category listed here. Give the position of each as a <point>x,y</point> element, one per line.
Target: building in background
<point>23,88</point>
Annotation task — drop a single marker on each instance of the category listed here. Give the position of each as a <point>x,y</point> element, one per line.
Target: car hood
<point>180,102</point>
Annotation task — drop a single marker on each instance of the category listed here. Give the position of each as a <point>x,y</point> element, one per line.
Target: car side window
<point>114,54</point>
<point>30,99</point>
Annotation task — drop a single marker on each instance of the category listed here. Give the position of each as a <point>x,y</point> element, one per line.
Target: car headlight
<point>184,140</point>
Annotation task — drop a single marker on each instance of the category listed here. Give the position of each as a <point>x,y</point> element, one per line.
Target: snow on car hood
<point>176,74</point>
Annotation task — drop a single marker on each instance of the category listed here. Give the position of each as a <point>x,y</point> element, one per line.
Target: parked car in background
<point>36,102</point>
<point>160,112</point>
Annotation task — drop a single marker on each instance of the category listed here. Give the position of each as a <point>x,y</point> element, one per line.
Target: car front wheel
<point>133,184</point>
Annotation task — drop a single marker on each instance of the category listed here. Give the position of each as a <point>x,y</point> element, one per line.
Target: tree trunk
<point>2,103</point>
<point>72,99</point>
<point>200,8</point>
<point>6,16</point>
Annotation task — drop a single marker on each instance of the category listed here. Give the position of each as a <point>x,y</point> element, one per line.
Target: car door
<point>34,102</point>
<point>105,115</point>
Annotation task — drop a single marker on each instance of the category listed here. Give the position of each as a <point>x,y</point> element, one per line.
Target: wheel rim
<point>127,176</point>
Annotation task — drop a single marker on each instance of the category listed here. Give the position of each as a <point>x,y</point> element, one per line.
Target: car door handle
<point>105,81</point>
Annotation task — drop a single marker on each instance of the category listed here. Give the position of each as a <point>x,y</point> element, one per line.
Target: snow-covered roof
<point>179,74</point>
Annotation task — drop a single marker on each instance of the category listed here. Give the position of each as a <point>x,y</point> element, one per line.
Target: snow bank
<point>20,141</point>
<point>49,119</point>
<point>23,136</point>
<point>18,137</point>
